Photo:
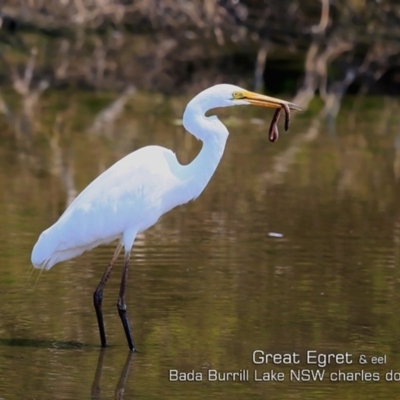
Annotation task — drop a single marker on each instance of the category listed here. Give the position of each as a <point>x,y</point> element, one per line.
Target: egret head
<point>225,95</point>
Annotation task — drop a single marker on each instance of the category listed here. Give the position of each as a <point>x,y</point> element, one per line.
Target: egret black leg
<point>122,305</point>
<point>98,296</point>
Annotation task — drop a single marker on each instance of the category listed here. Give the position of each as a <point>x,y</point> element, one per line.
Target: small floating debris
<point>275,234</point>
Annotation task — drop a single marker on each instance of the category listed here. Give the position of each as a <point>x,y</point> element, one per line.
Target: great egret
<point>132,194</point>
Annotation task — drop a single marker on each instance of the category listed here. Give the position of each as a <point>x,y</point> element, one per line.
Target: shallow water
<point>293,247</point>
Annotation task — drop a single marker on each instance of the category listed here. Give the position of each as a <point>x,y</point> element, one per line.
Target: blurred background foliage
<point>323,47</point>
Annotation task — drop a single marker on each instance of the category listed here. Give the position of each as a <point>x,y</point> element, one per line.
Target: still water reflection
<point>209,284</point>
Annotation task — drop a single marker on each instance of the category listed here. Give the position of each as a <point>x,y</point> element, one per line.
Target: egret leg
<point>122,305</point>
<point>98,295</point>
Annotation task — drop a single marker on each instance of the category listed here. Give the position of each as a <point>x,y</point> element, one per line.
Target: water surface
<point>292,247</point>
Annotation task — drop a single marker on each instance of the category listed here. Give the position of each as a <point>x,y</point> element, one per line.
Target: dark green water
<point>211,282</point>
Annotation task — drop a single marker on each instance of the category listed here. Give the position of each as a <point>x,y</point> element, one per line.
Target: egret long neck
<point>213,134</point>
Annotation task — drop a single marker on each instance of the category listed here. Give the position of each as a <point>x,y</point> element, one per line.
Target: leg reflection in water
<point>120,388</point>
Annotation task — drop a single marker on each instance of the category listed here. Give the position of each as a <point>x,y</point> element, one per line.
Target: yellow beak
<point>267,101</point>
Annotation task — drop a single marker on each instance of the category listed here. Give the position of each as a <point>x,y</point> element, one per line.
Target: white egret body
<point>132,194</point>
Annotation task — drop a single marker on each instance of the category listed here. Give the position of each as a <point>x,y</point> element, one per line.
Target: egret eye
<point>237,95</point>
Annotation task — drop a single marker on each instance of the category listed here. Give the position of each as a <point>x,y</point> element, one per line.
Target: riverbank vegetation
<point>307,48</point>
<point>165,45</point>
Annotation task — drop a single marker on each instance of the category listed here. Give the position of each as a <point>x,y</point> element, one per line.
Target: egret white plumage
<point>137,190</point>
